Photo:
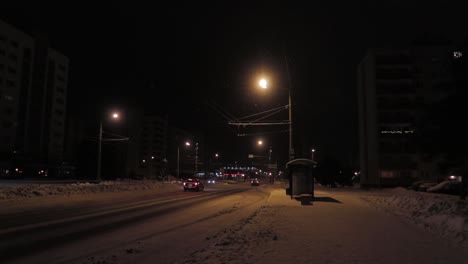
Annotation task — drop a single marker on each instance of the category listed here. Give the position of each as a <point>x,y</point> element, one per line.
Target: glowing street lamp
<point>260,142</point>
<point>263,83</point>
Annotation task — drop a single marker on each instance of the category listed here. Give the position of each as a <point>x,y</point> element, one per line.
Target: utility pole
<point>291,149</point>
<point>98,173</point>
<point>178,160</point>
<point>196,157</point>
<point>269,156</point>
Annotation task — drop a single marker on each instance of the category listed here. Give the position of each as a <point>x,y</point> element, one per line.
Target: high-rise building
<point>33,90</point>
<point>48,106</point>
<point>16,63</point>
<point>394,85</point>
<point>153,147</point>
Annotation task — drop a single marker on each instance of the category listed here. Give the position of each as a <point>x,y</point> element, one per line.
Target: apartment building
<point>33,89</point>
<point>153,147</point>
<point>394,85</point>
<point>16,58</point>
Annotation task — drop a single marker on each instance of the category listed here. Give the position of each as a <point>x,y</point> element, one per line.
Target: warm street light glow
<point>115,115</point>
<point>216,155</point>
<point>260,142</point>
<point>313,150</point>
<point>187,143</point>
<point>263,83</point>
<point>152,157</point>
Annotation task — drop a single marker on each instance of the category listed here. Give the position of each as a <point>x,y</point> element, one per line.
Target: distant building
<point>33,90</point>
<point>153,147</point>
<point>393,87</point>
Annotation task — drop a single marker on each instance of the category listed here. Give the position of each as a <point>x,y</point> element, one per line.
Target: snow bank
<point>24,191</point>
<point>446,215</point>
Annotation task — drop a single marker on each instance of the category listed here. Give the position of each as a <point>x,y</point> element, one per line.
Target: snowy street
<point>228,223</point>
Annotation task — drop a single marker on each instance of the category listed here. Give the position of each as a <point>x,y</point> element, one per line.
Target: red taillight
<point>196,183</point>
<point>184,183</point>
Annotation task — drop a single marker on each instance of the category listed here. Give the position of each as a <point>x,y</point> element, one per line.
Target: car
<point>426,185</point>
<point>447,187</point>
<point>211,180</point>
<point>193,185</point>
<point>254,182</point>
<point>417,185</point>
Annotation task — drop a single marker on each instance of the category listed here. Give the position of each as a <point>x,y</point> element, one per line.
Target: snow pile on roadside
<point>446,215</point>
<point>38,190</point>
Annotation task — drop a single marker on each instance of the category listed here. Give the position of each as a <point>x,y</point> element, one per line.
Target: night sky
<point>194,61</point>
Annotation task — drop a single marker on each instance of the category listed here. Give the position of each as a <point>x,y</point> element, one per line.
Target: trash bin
<point>301,180</point>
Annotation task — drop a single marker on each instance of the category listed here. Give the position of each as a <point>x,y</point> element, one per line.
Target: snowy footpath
<point>388,226</point>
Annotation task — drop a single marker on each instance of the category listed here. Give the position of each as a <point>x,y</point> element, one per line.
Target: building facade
<point>16,64</point>
<point>152,151</point>
<point>33,90</point>
<point>394,85</point>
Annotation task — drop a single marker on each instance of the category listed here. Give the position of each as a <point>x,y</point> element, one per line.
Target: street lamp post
<point>269,155</point>
<point>291,149</point>
<point>264,85</point>
<point>98,173</point>
<point>196,157</point>
<point>312,151</point>
<point>178,157</point>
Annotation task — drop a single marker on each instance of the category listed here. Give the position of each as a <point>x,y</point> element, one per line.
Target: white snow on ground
<point>278,231</point>
<point>446,215</point>
<point>26,191</point>
<point>274,226</point>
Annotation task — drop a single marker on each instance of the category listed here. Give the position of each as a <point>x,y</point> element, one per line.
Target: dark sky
<point>185,59</point>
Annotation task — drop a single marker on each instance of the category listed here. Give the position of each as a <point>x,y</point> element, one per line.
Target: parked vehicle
<point>417,184</point>
<point>426,185</point>
<point>447,187</point>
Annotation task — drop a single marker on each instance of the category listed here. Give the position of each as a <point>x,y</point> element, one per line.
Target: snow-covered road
<point>263,225</point>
